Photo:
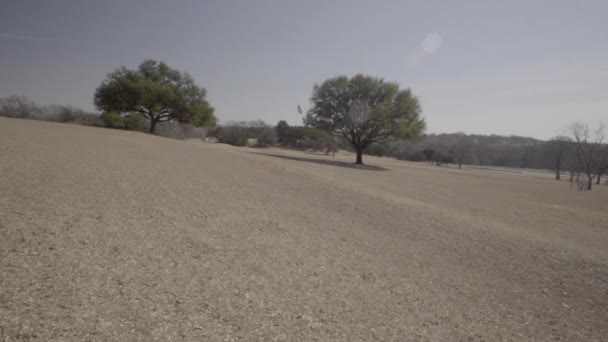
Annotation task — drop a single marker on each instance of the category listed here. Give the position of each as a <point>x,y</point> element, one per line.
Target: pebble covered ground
<point>119,236</point>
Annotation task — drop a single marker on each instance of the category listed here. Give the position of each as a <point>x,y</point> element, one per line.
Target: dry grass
<point>119,236</point>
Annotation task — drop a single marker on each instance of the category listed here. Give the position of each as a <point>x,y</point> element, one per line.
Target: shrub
<point>136,122</point>
<point>380,149</point>
<point>131,122</point>
<point>240,133</point>
<point>233,135</point>
<point>113,120</point>
<point>68,114</point>
<point>87,119</point>
<point>17,107</point>
<point>21,107</point>
<point>266,137</point>
<point>309,138</point>
<point>282,131</point>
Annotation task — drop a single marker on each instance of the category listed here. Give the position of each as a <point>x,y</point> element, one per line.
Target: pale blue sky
<point>505,67</point>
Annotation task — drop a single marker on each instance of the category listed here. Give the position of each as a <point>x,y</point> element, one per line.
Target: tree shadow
<point>325,162</point>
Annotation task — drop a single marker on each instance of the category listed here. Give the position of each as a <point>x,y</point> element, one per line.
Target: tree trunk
<point>557,175</point>
<point>153,126</point>
<point>599,176</point>
<point>359,155</point>
<point>460,165</point>
<point>589,182</point>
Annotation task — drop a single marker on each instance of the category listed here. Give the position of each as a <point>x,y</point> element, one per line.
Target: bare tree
<point>600,173</point>
<point>589,147</point>
<point>461,149</point>
<point>428,154</point>
<point>17,107</point>
<point>559,147</point>
<point>442,156</point>
<point>603,165</point>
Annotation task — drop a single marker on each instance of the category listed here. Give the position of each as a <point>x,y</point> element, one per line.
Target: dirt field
<point>119,236</point>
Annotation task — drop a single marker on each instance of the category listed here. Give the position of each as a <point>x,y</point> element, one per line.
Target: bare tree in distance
<point>603,165</point>
<point>428,154</point>
<point>589,147</point>
<point>559,147</point>
<point>442,156</point>
<point>17,107</point>
<point>600,173</point>
<point>461,149</point>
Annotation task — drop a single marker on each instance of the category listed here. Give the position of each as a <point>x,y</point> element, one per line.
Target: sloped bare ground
<point>119,236</point>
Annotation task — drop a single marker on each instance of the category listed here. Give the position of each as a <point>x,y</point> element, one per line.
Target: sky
<point>526,68</point>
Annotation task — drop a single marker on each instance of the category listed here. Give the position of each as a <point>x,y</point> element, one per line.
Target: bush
<point>17,107</point>
<point>266,137</point>
<point>68,114</point>
<point>136,122</point>
<point>381,150</point>
<point>241,132</point>
<point>131,122</point>
<point>329,145</point>
<point>87,119</point>
<point>309,138</point>
<point>442,156</point>
<point>232,135</point>
<point>20,107</point>
<point>113,120</point>
<point>282,131</point>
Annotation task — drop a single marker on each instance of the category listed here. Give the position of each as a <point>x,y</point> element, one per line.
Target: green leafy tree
<point>157,92</point>
<point>365,110</point>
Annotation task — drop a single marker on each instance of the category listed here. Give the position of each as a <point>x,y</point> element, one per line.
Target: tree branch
<point>144,111</point>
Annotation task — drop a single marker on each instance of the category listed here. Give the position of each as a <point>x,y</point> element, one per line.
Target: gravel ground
<point>119,236</point>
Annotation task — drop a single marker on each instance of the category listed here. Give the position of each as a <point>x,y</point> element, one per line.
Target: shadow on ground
<point>325,162</point>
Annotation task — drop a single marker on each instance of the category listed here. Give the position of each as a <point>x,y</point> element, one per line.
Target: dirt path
<point>113,236</point>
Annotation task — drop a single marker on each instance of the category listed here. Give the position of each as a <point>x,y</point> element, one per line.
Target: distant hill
<point>476,149</point>
<point>493,139</point>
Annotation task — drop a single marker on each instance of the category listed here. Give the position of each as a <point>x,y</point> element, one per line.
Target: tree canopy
<point>156,91</point>
<point>365,110</point>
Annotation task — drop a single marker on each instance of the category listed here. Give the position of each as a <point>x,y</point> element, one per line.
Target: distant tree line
<point>22,108</point>
<point>460,148</point>
<point>153,98</point>
<point>309,138</point>
<point>360,113</point>
<point>243,133</point>
<point>582,154</point>
<point>260,134</point>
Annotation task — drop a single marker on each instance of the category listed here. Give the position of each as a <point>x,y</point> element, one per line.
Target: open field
<point>119,236</point>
